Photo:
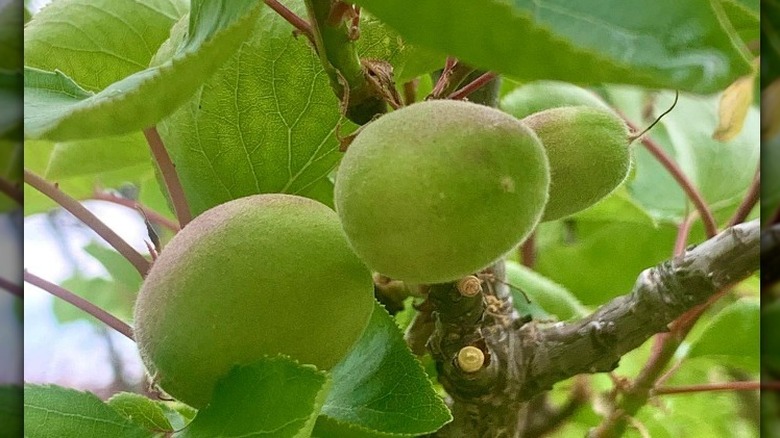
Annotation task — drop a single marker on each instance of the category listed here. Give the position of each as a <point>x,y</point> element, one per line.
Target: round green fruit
<point>438,190</point>
<point>588,152</point>
<point>541,95</point>
<point>260,275</point>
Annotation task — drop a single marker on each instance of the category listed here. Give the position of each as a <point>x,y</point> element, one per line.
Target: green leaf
<point>117,266</point>
<point>666,44</point>
<point>617,207</point>
<point>273,397</point>
<point>732,336</point>
<point>11,20</point>
<point>11,410</point>
<point>147,413</point>
<point>37,156</point>
<point>548,298</point>
<point>56,412</point>
<point>685,134</point>
<point>598,261</point>
<point>99,42</point>
<point>380,387</point>
<point>744,16</point>
<point>57,108</point>
<point>109,295</point>
<point>264,123</point>
<point>89,157</point>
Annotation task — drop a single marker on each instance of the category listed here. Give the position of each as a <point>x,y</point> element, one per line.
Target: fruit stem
<point>129,203</point>
<point>453,74</point>
<point>12,190</point>
<point>168,170</point>
<point>291,17</point>
<point>750,200</point>
<point>11,287</point>
<point>68,296</point>
<point>473,86</point>
<point>89,219</point>
<point>690,190</point>
<point>333,25</point>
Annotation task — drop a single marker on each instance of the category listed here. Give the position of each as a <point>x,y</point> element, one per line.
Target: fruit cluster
<point>429,193</point>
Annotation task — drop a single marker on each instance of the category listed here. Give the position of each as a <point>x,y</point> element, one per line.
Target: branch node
<point>470,359</point>
<point>470,286</point>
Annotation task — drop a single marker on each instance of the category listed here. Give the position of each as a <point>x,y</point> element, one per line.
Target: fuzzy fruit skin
<point>588,152</point>
<point>260,275</point>
<point>541,95</point>
<point>438,190</point>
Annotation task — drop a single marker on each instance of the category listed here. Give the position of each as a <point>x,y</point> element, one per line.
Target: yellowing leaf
<point>733,109</point>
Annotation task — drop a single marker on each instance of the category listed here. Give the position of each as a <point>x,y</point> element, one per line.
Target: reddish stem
<point>473,86</point>
<point>66,295</point>
<point>690,190</point>
<point>528,251</point>
<point>89,219</point>
<point>291,17</point>
<point>750,201</point>
<point>683,231</point>
<point>151,214</point>
<point>11,287</point>
<point>12,190</point>
<point>168,170</point>
<point>707,387</point>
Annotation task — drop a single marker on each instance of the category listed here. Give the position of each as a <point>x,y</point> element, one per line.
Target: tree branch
<point>64,294</point>
<point>129,203</point>
<point>168,171</point>
<point>11,287</point>
<point>525,359</point>
<point>12,190</point>
<point>75,208</point>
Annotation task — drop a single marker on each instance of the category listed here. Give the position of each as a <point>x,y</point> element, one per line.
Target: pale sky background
<point>72,354</point>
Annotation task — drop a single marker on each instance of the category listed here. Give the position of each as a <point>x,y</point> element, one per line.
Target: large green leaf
<point>97,155</point>
<point>380,387</point>
<point>274,397</point>
<point>56,412</point>
<point>549,300</point>
<point>11,410</point>
<point>686,136</point>
<point>37,157</point>
<point>58,108</point>
<point>265,122</point>
<point>664,44</point>
<point>99,42</point>
<point>732,336</point>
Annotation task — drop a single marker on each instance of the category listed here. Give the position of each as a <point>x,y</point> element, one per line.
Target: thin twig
<point>89,219</point>
<point>14,191</point>
<point>473,86</point>
<point>683,231</point>
<point>707,387</point>
<point>11,287</point>
<point>168,170</point>
<point>528,251</point>
<point>690,190</point>
<point>66,295</point>
<point>750,201</point>
<point>129,203</point>
<point>291,17</point>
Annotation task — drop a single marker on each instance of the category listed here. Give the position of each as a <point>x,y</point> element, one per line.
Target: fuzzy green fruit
<point>261,275</point>
<point>588,152</point>
<point>440,189</point>
<point>541,95</point>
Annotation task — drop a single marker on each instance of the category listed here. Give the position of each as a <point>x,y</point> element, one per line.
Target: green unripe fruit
<point>548,298</point>
<point>588,152</point>
<point>541,95</point>
<point>261,275</point>
<point>440,189</point>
